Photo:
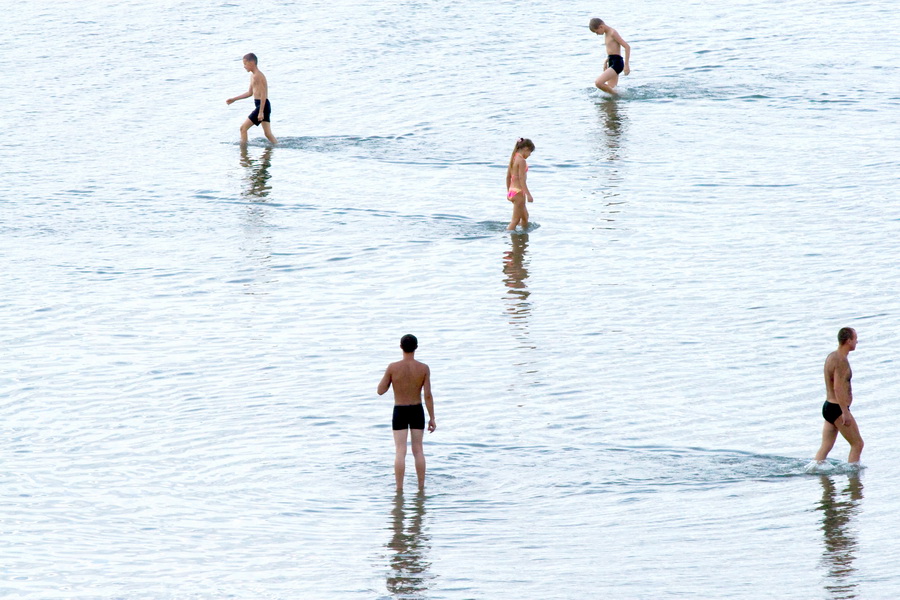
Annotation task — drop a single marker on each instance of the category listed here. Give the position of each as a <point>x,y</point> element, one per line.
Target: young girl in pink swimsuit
<point>517,189</point>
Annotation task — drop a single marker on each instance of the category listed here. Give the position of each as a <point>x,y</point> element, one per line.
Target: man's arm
<point>385,382</point>
<point>841,384</point>
<point>246,94</point>
<point>429,399</point>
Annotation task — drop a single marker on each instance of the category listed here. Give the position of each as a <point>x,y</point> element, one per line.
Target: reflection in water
<point>257,178</point>
<point>257,241</point>
<point>516,270</point>
<point>613,124</point>
<point>409,576</point>
<point>838,510</point>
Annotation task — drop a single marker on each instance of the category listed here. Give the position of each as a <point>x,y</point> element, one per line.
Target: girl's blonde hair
<point>520,143</point>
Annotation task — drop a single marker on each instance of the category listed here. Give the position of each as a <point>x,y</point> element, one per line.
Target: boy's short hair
<point>251,57</point>
<point>409,343</point>
<point>595,24</point>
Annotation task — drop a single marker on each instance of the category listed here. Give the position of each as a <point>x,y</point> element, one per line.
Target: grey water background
<point>626,395</point>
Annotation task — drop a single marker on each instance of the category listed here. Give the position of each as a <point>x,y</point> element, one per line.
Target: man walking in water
<point>409,378</point>
<point>259,89</point>
<point>839,397</point>
<point>614,65</point>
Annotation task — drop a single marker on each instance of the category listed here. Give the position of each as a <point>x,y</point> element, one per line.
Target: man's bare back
<point>836,363</point>
<point>407,377</point>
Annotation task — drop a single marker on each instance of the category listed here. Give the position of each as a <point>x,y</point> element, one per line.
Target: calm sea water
<point>626,395</point>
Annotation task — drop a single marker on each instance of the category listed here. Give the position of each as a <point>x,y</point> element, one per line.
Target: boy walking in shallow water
<point>409,378</point>
<point>614,64</point>
<point>259,89</point>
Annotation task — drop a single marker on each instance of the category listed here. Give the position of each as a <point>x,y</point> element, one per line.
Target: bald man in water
<point>410,378</point>
<point>838,398</point>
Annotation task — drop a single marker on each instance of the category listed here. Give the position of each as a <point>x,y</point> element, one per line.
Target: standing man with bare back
<point>614,64</point>
<point>409,378</point>
<point>839,397</point>
<point>259,89</point>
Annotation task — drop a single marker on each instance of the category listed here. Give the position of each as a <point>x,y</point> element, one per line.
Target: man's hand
<point>431,425</point>
<point>229,101</point>
<point>627,70</point>
<point>847,418</point>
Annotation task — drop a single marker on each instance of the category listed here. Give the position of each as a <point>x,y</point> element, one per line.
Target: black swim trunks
<point>408,415</point>
<point>616,62</point>
<point>831,411</point>
<point>254,116</point>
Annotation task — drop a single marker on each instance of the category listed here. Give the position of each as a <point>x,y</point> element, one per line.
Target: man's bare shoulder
<point>836,361</point>
<point>418,366</point>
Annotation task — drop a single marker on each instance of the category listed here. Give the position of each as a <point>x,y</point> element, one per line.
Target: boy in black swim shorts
<point>410,379</point>
<point>614,64</point>
<point>267,113</point>
<point>259,89</point>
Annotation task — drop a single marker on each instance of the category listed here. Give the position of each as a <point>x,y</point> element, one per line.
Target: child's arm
<point>523,177</point>
<point>627,52</point>
<point>246,94</point>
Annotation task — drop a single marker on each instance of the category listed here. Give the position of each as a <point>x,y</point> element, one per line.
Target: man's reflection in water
<point>257,178</point>
<point>838,510</point>
<point>516,270</point>
<point>409,576</point>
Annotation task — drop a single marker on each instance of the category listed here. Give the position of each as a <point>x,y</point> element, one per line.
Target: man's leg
<point>267,129</point>
<point>419,455</point>
<point>245,127</point>
<point>853,437</point>
<point>607,81</point>
<point>399,457</point>
<point>829,435</point>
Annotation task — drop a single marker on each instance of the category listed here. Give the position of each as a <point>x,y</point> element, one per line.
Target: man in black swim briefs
<point>259,89</point>
<point>410,379</point>
<point>838,398</point>
<point>615,64</point>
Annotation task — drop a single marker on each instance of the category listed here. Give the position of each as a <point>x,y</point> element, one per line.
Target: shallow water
<point>627,395</point>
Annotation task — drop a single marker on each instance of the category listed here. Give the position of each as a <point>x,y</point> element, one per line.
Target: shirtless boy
<point>409,378</point>
<point>259,89</point>
<point>839,397</point>
<point>613,65</point>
